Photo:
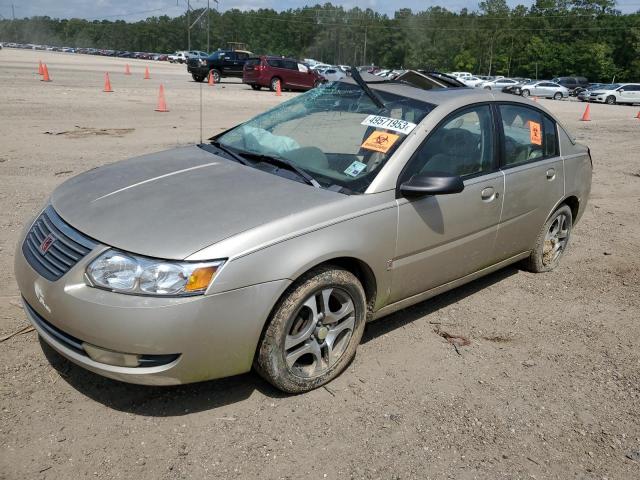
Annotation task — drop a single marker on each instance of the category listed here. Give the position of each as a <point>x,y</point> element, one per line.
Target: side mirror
<point>432,184</point>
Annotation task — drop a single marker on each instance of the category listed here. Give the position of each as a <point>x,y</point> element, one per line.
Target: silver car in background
<point>545,89</point>
<point>271,246</point>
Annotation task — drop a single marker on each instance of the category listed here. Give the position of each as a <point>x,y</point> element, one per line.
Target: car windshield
<point>335,133</point>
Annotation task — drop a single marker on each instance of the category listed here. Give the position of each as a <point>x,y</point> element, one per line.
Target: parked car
<point>274,244</point>
<point>574,84</point>
<point>220,64</point>
<point>498,84</point>
<point>462,75</point>
<point>616,93</point>
<point>197,54</point>
<point>178,57</point>
<point>267,71</point>
<point>333,74</point>
<point>471,81</point>
<point>546,89</point>
<point>516,88</point>
<point>583,96</point>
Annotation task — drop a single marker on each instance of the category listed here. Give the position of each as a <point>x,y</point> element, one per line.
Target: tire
<point>610,100</point>
<point>255,87</point>
<point>551,246</point>
<point>557,96</point>
<point>317,83</point>
<point>273,85</point>
<point>295,353</point>
<point>526,93</point>
<point>216,75</point>
<point>197,78</point>
<point>487,88</point>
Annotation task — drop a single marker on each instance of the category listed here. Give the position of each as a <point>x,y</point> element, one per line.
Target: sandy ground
<point>548,388</point>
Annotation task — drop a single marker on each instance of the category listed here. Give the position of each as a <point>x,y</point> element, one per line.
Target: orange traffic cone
<point>45,73</point>
<point>212,81</point>
<point>107,83</point>
<point>162,104</point>
<point>147,76</point>
<point>40,69</point>
<point>127,70</point>
<point>535,99</point>
<point>278,89</point>
<point>586,116</point>
<point>638,115</point>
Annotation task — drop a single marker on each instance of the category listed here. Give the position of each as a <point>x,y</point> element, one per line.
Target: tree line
<point>550,38</point>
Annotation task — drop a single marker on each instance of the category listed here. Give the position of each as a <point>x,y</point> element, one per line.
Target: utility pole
<point>208,27</point>
<point>188,26</point>
<point>364,52</point>
<point>13,12</point>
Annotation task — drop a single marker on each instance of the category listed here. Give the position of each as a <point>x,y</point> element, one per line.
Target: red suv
<point>267,71</point>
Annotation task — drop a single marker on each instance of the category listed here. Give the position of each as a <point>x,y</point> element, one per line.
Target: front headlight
<point>126,273</point>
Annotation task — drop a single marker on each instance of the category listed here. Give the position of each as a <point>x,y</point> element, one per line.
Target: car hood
<point>174,203</point>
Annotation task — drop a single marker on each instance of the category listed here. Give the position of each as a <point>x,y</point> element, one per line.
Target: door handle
<point>488,194</point>
<point>551,174</point>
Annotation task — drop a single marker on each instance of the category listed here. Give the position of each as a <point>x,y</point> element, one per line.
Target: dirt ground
<point>548,388</point>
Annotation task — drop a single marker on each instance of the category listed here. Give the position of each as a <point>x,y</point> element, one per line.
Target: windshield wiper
<point>286,163</point>
<point>355,74</point>
<point>230,152</point>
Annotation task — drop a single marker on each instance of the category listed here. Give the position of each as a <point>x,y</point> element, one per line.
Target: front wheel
<point>552,241</point>
<point>197,78</point>
<point>557,96</point>
<point>314,331</point>
<point>526,93</point>
<point>610,100</point>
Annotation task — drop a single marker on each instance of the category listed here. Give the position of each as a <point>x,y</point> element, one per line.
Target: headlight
<point>203,62</point>
<point>127,273</point>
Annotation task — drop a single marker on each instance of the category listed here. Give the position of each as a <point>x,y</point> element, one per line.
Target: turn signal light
<point>200,279</point>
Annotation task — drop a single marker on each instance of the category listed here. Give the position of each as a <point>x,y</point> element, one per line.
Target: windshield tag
<point>380,141</point>
<point>400,126</point>
<point>355,168</point>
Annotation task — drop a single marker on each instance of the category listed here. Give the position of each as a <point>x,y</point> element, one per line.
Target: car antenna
<point>355,74</point>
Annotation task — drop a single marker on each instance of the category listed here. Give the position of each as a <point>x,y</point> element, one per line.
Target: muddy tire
<point>273,85</point>
<point>552,241</point>
<point>314,331</point>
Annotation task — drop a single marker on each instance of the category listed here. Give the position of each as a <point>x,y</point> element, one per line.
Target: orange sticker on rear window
<point>535,133</point>
<point>380,141</point>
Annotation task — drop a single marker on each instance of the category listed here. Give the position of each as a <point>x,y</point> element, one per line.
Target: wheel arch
<point>572,202</point>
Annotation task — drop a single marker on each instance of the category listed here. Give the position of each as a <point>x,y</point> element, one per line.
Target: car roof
<point>447,97</point>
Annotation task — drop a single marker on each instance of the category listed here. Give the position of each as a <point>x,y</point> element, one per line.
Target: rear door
<point>629,94</point>
<point>445,237</point>
<point>534,176</point>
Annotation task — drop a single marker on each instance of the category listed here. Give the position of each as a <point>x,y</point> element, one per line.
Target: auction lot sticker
<point>535,133</point>
<point>394,124</point>
<point>380,141</point>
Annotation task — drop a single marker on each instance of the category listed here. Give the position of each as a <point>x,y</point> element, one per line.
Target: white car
<point>461,75</point>
<point>616,93</point>
<point>180,57</point>
<point>498,84</point>
<point>471,81</point>
<point>333,74</point>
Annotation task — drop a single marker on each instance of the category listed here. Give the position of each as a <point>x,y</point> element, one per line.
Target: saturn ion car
<point>271,246</point>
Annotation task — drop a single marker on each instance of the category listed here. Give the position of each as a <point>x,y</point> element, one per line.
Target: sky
<point>140,9</point>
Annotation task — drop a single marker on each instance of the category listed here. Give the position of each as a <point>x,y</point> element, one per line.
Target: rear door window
<point>529,135</point>
<point>290,65</point>
<point>275,63</point>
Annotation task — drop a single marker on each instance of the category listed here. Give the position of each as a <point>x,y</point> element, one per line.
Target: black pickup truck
<point>223,63</point>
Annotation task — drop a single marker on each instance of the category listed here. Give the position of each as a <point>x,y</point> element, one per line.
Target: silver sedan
<point>271,246</point>
<point>545,89</point>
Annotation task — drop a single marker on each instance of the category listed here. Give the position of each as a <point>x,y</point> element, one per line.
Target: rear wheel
<point>557,96</point>
<point>552,241</point>
<point>314,331</point>
<point>610,100</point>
<point>273,86</point>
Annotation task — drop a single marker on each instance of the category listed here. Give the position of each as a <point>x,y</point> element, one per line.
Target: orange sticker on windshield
<point>535,133</point>
<point>380,141</point>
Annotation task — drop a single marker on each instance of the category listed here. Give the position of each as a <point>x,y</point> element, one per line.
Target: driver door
<point>444,237</point>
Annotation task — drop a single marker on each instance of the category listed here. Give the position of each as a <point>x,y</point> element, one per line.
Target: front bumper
<point>198,70</point>
<point>202,338</point>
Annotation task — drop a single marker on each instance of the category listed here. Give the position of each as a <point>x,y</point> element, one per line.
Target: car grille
<point>52,247</point>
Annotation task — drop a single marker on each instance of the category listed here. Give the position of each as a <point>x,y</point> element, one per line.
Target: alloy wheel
<point>319,332</point>
<point>555,240</point>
